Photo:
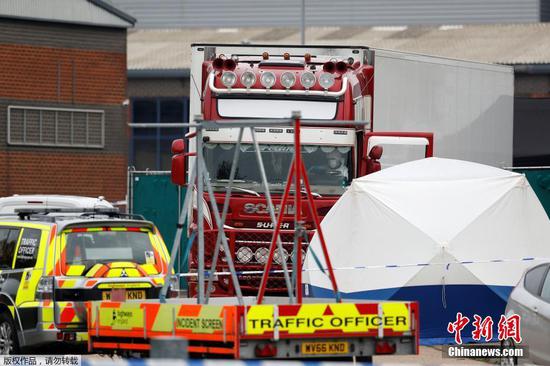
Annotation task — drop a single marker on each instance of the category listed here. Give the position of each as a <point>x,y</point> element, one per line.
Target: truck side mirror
<point>376,152</point>
<point>178,162</point>
<point>373,165</point>
<point>178,146</point>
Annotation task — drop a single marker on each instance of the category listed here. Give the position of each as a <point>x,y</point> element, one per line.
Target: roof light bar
<point>326,93</point>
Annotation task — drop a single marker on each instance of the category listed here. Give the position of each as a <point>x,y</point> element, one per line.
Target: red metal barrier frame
<point>296,172</point>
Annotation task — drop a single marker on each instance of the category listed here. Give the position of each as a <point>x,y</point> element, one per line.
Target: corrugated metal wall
<point>239,13</point>
<point>71,11</point>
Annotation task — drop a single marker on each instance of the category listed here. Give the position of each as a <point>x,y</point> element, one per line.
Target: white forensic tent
<point>454,235</point>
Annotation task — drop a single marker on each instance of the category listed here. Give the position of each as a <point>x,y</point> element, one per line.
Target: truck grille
<point>250,249</point>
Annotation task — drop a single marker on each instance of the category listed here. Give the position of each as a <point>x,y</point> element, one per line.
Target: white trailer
<point>467,105</point>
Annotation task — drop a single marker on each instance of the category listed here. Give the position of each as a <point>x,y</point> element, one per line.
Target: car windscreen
<point>88,247</point>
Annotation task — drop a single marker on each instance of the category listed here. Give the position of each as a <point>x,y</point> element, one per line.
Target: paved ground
<point>429,355</point>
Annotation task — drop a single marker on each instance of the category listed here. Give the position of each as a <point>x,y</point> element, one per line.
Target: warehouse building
<point>322,13</point>
<point>62,102</point>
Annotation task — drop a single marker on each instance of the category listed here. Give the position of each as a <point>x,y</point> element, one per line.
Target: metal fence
<point>60,127</point>
<point>539,179</point>
<point>152,194</point>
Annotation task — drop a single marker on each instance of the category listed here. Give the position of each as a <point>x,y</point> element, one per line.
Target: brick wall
<point>62,75</point>
<point>28,172</point>
<point>64,66</point>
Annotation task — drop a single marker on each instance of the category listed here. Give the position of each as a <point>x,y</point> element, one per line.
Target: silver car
<point>531,301</point>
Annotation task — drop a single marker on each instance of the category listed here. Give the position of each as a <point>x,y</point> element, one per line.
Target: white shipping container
<point>467,105</point>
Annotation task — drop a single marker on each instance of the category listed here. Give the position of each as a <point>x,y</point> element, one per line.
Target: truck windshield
<point>86,248</point>
<point>328,167</point>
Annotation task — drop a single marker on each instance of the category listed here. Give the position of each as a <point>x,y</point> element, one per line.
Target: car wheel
<point>8,335</point>
<point>510,360</point>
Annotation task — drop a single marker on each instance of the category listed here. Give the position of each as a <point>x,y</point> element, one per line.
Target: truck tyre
<point>9,344</point>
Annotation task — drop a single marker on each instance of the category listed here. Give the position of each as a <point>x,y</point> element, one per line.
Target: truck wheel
<point>8,335</point>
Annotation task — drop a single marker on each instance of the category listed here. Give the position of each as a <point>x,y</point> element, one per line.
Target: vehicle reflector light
<point>288,80</point>
<point>266,350</point>
<point>248,79</point>
<point>267,79</point>
<point>307,79</point>
<point>326,80</point>
<point>229,78</point>
<point>384,348</point>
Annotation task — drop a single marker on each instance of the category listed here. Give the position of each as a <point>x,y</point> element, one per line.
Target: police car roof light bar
<point>89,212</point>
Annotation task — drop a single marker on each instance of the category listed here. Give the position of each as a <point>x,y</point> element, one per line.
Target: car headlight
<point>326,80</point>
<point>307,80</point>
<point>244,254</point>
<point>288,80</point>
<point>267,79</point>
<point>229,79</point>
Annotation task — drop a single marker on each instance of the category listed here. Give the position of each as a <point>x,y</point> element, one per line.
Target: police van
<point>53,260</point>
